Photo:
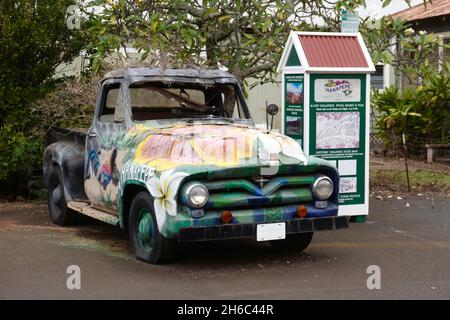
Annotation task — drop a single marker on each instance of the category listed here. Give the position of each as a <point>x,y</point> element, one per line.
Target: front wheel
<point>148,244</point>
<point>293,242</point>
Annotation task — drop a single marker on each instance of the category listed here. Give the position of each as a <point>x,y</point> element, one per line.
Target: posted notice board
<point>337,124</point>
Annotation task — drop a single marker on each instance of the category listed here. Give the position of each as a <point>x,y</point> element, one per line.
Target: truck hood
<point>210,147</point>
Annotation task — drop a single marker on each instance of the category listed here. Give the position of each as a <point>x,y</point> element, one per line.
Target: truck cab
<point>173,155</point>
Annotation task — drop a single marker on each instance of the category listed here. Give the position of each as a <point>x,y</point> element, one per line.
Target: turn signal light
<point>301,211</point>
<point>226,216</point>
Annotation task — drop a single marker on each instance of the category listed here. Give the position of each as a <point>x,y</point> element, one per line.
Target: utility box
<point>326,107</point>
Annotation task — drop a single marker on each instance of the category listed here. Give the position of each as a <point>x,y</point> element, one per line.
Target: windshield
<point>153,101</point>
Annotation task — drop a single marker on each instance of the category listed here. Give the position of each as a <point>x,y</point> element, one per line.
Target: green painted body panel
<point>233,184</point>
<point>160,159</point>
<point>277,183</point>
<point>237,199</point>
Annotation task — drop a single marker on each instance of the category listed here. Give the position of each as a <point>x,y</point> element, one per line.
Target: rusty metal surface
<point>432,9</point>
<point>331,51</point>
<point>167,74</point>
<point>86,209</point>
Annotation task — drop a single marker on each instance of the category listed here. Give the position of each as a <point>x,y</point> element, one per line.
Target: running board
<point>86,209</point>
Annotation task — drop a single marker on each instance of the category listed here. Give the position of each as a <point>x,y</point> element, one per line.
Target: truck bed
<point>77,135</point>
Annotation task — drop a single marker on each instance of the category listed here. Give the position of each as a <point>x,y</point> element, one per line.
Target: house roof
<point>326,52</point>
<point>420,11</point>
<point>330,51</point>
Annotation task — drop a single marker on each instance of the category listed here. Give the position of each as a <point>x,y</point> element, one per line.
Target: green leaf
<point>386,3</point>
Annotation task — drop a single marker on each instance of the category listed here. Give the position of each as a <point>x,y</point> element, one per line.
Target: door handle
<point>92,134</point>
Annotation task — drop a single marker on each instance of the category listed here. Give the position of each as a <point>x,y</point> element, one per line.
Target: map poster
<point>337,129</point>
<point>293,104</point>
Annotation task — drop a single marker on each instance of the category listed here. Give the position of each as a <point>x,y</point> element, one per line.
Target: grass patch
<point>420,180</point>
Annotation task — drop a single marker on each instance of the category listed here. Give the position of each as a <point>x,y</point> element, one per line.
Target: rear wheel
<point>57,204</point>
<point>148,244</point>
<point>293,242</point>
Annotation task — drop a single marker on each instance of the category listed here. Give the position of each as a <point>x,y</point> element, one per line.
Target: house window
<point>377,77</point>
<point>446,51</point>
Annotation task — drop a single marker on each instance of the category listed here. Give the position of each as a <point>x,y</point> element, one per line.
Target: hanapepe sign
<point>337,90</point>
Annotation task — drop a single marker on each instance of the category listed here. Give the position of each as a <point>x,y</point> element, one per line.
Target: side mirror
<point>272,110</point>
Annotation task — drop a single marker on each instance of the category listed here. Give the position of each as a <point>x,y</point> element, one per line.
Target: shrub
<point>70,104</point>
<point>34,40</point>
<point>19,155</point>
<point>420,113</point>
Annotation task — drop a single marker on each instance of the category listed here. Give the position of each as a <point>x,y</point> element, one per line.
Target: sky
<point>375,10</point>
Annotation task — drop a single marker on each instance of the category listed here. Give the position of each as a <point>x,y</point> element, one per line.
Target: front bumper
<point>248,230</point>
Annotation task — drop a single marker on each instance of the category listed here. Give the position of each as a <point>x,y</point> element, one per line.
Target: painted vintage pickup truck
<point>173,155</point>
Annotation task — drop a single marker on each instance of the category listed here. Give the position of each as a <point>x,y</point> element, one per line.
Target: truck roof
<point>170,73</point>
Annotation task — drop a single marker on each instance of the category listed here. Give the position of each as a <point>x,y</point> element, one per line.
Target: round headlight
<point>196,194</point>
<point>322,188</point>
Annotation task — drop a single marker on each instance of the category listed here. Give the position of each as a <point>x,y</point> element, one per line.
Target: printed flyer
<point>337,113</point>
<point>294,99</point>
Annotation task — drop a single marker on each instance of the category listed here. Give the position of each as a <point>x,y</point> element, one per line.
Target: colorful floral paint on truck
<point>174,156</point>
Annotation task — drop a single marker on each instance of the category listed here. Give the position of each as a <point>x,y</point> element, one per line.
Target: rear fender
<point>69,156</point>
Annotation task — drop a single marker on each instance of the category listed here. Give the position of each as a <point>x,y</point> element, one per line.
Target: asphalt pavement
<point>408,239</point>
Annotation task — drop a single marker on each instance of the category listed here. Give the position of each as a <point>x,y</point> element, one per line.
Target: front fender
<point>162,187</point>
<point>133,178</point>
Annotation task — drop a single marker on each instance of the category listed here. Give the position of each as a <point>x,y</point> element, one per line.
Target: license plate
<point>271,231</point>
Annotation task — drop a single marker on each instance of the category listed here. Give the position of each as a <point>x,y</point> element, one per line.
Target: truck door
<point>103,160</point>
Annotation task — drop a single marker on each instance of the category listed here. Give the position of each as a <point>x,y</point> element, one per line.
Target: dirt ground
<point>378,163</point>
<point>409,239</point>
<point>388,178</point>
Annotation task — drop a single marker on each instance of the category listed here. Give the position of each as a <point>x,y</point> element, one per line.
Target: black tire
<point>293,242</point>
<point>148,244</point>
<point>57,204</point>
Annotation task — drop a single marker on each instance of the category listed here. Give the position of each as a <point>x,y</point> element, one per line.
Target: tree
<point>34,40</point>
<point>412,54</point>
<point>246,36</point>
<point>420,111</point>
